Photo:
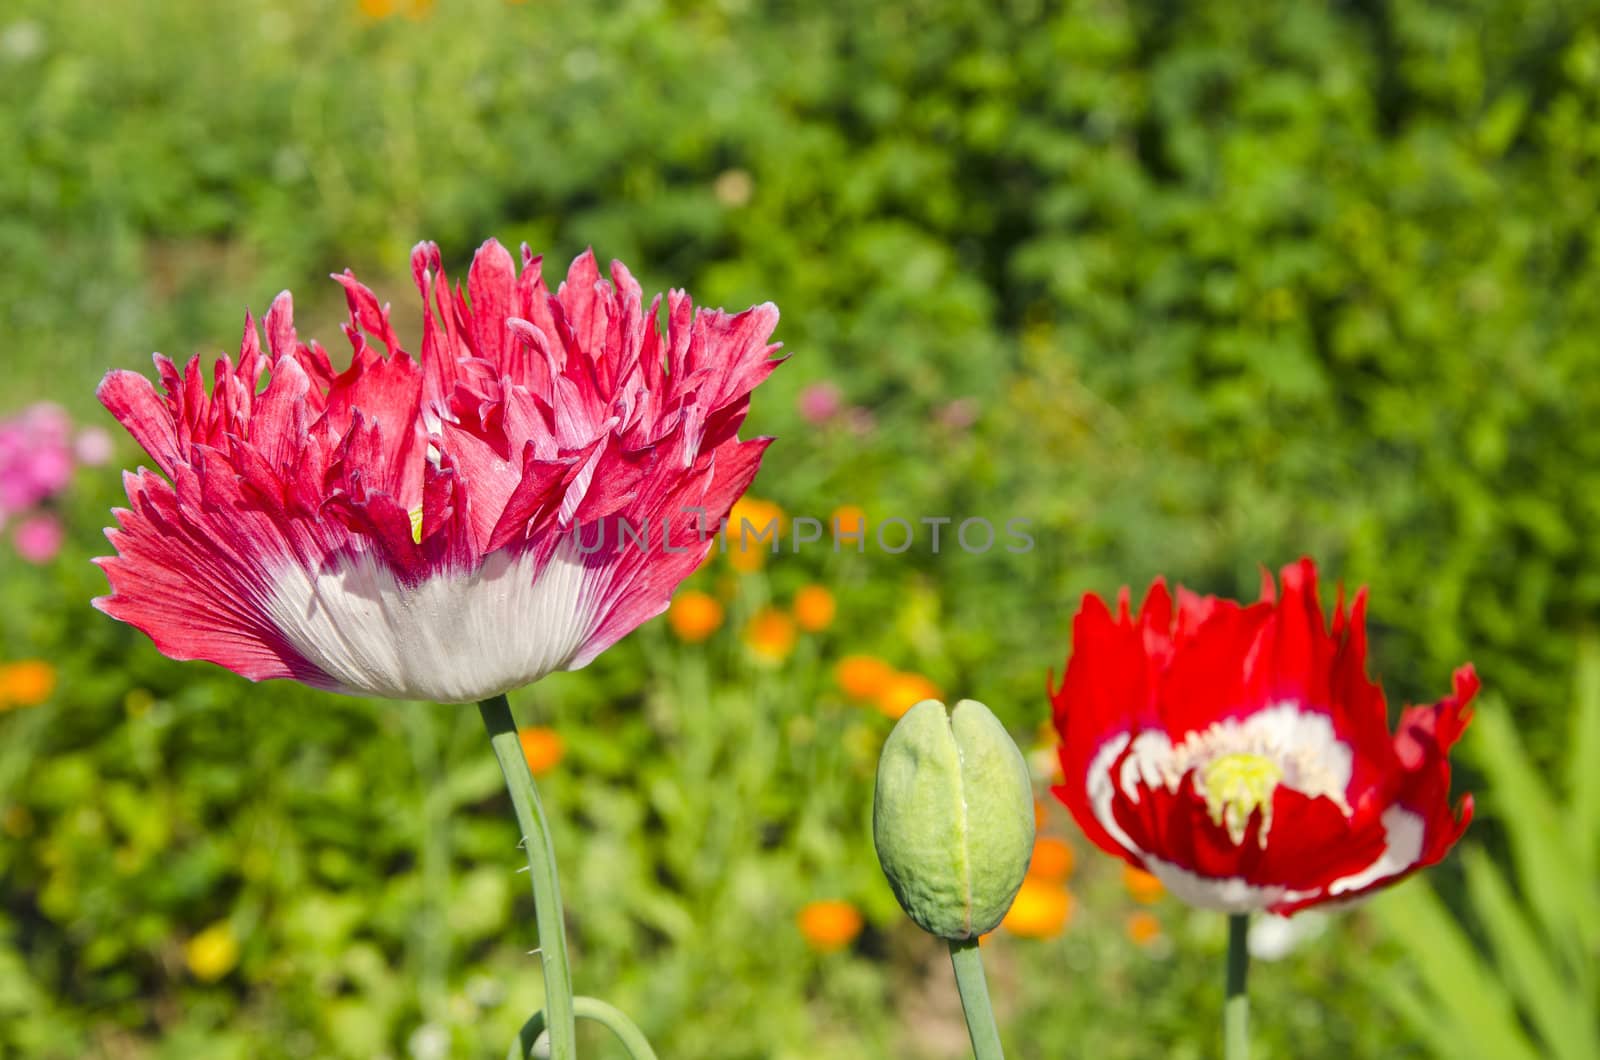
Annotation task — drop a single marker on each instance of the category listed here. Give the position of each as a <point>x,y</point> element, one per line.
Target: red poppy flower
<point>524,494</point>
<point>1241,754</point>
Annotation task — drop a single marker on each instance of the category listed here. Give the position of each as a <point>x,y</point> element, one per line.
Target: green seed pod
<point>953,818</point>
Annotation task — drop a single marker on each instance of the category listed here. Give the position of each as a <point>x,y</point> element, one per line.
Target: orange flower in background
<point>904,691</point>
<point>814,608</point>
<point>542,747</point>
<point>1040,911</point>
<point>755,528</point>
<point>1143,886</point>
<point>771,635</point>
<point>829,926</point>
<point>1143,928</point>
<point>1052,860</point>
<point>694,615</point>
<point>1045,734</point>
<point>26,684</point>
<point>376,9</point>
<point>862,676</point>
<point>848,521</point>
<point>1039,815</point>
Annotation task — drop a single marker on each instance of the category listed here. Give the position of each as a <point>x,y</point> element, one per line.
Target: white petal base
<point>1226,894</point>
<point>455,638</point>
<point>1403,835</point>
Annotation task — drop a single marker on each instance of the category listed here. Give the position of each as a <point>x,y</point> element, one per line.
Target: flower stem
<point>975,1000</point>
<point>608,1016</point>
<point>542,874</point>
<point>1236,1010</point>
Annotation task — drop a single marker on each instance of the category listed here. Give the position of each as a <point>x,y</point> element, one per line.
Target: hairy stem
<point>975,1000</point>
<point>558,1012</point>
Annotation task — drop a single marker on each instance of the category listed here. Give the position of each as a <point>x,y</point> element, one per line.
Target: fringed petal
<point>412,528</point>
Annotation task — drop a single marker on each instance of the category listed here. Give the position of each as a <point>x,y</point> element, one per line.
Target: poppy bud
<point>952,817</point>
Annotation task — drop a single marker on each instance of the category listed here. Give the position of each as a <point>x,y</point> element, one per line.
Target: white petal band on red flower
<point>414,528</point>
<point>1242,755</point>
<point>446,638</point>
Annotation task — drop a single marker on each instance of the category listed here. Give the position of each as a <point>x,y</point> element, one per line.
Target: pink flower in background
<point>93,447</point>
<point>436,527</point>
<point>958,415</point>
<point>38,538</point>
<point>860,421</point>
<point>35,458</point>
<point>819,402</point>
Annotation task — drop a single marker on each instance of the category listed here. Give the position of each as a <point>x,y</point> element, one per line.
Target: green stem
<point>1236,1011</point>
<point>542,874</point>
<point>608,1016</point>
<point>975,1000</point>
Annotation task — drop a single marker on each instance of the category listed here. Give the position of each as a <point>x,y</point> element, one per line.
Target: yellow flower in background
<point>1143,928</point>
<point>829,926</point>
<point>542,747</point>
<point>1144,887</point>
<point>213,953</point>
<point>904,691</point>
<point>16,821</point>
<point>1040,911</point>
<point>771,635</point>
<point>138,702</point>
<point>814,608</point>
<point>754,526</point>
<point>1052,860</point>
<point>862,676</point>
<point>694,616</point>
<point>26,684</point>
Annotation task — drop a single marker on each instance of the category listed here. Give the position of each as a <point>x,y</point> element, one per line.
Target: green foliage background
<point>1227,284</point>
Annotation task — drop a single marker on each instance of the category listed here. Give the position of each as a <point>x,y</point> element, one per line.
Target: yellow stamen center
<point>416,525</point>
<point>1235,786</point>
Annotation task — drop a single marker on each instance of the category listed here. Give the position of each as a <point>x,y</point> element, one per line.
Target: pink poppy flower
<point>1241,754</point>
<point>511,503</point>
